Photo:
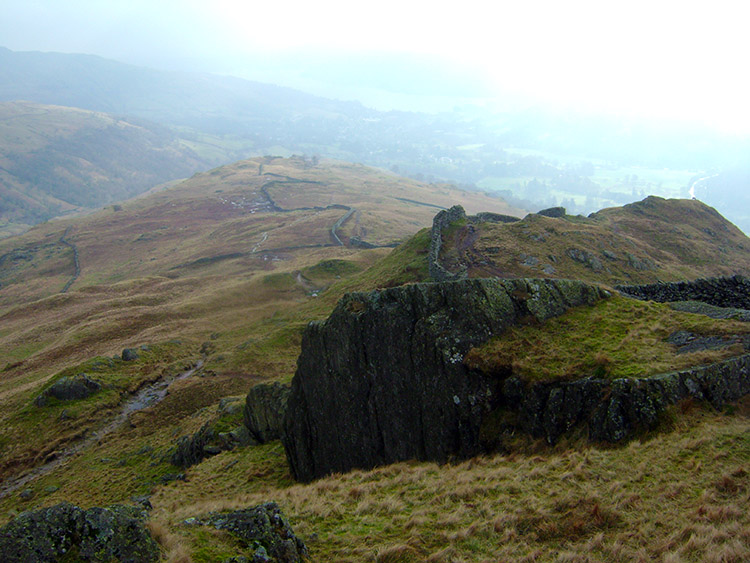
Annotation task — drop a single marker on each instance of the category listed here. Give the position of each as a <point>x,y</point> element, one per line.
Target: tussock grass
<point>679,496</point>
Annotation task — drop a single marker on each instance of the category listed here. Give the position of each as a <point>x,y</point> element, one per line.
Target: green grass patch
<point>617,337</point>
<point>331,269</point>
<point>281,281</point>
<point>210,544</point>
<point>272,345</point>
<point>23,351</point>
<point>407,263</point>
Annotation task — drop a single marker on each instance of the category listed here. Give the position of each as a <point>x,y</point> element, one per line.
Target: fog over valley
<point>584,107</point>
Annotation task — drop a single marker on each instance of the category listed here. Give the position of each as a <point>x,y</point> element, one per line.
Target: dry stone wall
<point>731,291</point>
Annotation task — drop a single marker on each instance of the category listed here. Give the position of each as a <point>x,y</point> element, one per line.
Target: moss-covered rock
<point>263,528</point>
<point>68,533</point>
<point>68,389</point>
<point>615,410</point>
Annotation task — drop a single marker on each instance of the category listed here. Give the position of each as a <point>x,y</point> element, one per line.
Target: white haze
<point>675,60</point>
<point>612,100</point>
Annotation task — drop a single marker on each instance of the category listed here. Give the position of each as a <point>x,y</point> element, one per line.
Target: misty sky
<point>678,60</point>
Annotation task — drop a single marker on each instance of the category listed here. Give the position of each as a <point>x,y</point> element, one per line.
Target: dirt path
<point>147,396</point>
<point>263,238</point>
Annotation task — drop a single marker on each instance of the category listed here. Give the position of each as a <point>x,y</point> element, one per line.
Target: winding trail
<point>147,396</point>
<point>76,261</point>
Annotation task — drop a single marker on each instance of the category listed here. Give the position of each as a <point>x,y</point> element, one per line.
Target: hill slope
<point>651,240</point>
<point>56,159</point>
<point>221,273</point>
<point>220,250</point>
<point>206,102</point>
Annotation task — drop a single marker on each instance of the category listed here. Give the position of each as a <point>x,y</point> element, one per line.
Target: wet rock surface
<point>383,378</point>
<point>68,533</point>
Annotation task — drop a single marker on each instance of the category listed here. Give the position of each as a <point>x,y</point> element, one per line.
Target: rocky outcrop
<point>490,217</point>
<point>555,212</point>
<point>68,533</point>
<point>195,448</point>
<point>263,528</point>
<point>68,389</point>
<point>686,342</point>
<point>441,222</point>
<point>129,354</point>
<point>612,410</point>
<point>383,378</point>
<point>207,442</point>
<point>586,258</point>
<point>731,291</point>
<point>700,308</point>
<point>265,406</point>
<point>223,432</point>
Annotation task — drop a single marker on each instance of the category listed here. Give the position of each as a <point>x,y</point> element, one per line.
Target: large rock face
<point>383,379</point>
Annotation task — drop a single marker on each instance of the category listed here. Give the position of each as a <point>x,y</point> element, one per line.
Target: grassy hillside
<point>678,496</point>
<point>651,240</point>
<point>55,160</point>
<point>227,268</point>
<point>233,263</point>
